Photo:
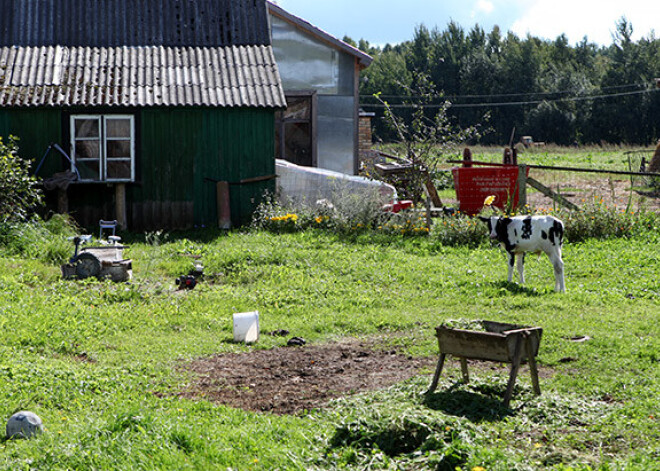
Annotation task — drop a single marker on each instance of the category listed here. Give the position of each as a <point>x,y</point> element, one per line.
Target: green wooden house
<point>154,102</point>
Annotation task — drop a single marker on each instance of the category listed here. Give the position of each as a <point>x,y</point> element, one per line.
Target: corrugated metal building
<point>154,101</point>
<point>320,76</point>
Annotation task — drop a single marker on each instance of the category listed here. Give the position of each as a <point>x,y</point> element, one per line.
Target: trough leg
<point>436,376</point>
<point>515,366</point>
<point>464,370</point>
<point>533,371</point>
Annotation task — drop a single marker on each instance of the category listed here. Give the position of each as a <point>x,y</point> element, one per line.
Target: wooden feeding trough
<point>505,343</point>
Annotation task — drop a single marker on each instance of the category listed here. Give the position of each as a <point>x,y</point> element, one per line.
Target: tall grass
<point>38,239</point>
<point>595,220</point>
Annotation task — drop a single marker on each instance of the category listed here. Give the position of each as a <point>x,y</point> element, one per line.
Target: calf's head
<point>496,226</point>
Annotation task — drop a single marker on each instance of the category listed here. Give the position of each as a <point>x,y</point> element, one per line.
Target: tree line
<point>552,90</point>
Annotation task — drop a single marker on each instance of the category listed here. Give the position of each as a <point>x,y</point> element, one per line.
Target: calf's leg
<point>510,266</point>
<point>558,265</point>
<point>520,263</point>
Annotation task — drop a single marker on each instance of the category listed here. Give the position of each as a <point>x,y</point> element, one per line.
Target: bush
<point>598,221</point>
<point>39,239</point>
<point>347,213</point>
<point>18,191</point>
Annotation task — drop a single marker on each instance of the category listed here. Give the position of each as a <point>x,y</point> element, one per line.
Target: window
<point>104,147</point>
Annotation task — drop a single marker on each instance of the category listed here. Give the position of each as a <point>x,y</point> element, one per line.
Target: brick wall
<point>364,132</point>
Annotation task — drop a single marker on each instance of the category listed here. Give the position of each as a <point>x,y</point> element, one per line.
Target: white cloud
<point>483,6</point>
<point>594,19</point>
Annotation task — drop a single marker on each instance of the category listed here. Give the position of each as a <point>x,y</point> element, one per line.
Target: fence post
<point>522,186</point>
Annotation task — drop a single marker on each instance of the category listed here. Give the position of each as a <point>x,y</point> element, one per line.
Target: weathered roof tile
<point>139,76</point>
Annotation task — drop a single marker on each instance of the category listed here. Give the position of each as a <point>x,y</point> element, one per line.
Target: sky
<point>393,21</point>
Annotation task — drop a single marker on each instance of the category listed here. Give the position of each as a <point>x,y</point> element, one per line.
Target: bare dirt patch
<point>287,380</point>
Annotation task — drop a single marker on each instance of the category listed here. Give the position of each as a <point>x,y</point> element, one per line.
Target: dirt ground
<point>288,380</point>
<point>612,192</point>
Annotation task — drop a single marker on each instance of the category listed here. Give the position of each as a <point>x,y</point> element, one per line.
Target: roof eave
<point>364,59</point>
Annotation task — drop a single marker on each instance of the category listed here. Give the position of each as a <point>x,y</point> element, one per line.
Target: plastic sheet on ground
<point>307,185</point>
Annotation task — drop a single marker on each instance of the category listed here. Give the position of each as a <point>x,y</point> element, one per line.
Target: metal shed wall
<point>332,74</point>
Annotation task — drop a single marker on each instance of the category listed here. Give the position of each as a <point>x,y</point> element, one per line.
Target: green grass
<point>97,361</point>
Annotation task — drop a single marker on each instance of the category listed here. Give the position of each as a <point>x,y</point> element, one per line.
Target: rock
<point>296,342</point>
<point>24,424</point>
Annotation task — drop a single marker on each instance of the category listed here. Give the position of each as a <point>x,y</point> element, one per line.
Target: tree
<point>428,135</point>
<point>19,193</point>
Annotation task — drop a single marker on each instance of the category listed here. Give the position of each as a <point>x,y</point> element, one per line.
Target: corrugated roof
<point>140,76</point>
<point>114,23</point>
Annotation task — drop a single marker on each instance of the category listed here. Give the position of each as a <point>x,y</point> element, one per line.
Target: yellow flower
<point>478,468</point>
<point>318,220</point>
<point>489,200</point>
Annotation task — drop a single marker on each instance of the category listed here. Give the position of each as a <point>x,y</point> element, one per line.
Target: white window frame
<point>103,145</point>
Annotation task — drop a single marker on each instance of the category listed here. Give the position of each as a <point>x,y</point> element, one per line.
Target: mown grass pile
<point>100,362</point>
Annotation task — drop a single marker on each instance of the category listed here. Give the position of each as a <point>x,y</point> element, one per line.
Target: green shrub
<point>459,230</point>
<point>18,191</point>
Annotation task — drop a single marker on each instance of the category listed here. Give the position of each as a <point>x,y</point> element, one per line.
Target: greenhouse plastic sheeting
<point>307,185</point>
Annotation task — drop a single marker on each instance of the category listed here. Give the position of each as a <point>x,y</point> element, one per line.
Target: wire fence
<point>626,180</point>
<point>629,188</point>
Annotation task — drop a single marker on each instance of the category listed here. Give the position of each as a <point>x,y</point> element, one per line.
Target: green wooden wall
<point>36,129</point>
<point>181,152</point>
<point>184,151</point>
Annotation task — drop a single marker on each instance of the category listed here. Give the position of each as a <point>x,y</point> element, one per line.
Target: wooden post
<point>224,209</point>
<point>521,185</point>
<point>431,190</point>
<point>120,205</point>
<point>62,201</point>
<point>551,194</point>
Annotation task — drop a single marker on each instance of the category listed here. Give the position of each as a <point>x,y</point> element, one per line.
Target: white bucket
<point>246,327</point>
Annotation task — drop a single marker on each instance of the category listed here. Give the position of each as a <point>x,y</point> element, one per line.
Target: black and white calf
<point>521,234</point>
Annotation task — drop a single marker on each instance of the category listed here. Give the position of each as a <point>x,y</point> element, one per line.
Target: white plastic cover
<point>309,184</point>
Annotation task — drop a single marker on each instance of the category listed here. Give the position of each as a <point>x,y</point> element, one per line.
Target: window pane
<point>118,127</point>
<point>118,149</point>
<point>119,169</point>
<point>87,149</point>
<point>87,128</point>
<point>89,170</point>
